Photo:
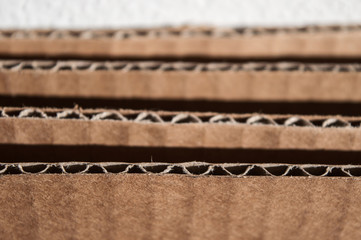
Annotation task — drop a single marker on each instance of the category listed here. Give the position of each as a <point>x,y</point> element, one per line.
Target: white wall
<point>145,13</point>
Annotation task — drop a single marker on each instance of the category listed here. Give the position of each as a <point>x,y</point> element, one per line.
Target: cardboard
<point>167,129</point>
<point>287,82</point>
<point>134,206</point>
<point>313,41</point>
<point>141,174</point>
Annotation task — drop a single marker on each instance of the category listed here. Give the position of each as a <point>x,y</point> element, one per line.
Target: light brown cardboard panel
<point>339,42</point>
<point>177,129</point>
<point>183,81</point>
<point>190,135</point>
<point>178,207</point>
<point>93,135</point>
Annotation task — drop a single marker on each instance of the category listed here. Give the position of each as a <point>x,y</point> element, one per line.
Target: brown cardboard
<point>133,206</point>
<point>312,41</point>
<point>166,129</point>
<point>128,197</point>
<point>182,81</point>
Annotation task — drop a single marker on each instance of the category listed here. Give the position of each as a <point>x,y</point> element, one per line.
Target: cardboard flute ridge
<point>186,31</point>
<point>186,168</point>
<point>167,129</point>
<point>150,117</point>
<point>164,66</point>
<point>312,41</point>
<point>283,81</point>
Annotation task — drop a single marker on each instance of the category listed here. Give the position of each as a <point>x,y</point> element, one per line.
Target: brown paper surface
<point>178,207</point>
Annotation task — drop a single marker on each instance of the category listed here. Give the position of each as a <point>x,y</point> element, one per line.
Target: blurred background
<point>80,14</point>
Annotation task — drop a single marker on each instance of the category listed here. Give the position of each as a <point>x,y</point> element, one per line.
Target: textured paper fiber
<point>178,207</point>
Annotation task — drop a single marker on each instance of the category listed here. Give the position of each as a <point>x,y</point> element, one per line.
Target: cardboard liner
<point>190,169</point>
<point>137,206</point>
<point>167,129</point>
<point>313,41</point>
<point>283,81</point>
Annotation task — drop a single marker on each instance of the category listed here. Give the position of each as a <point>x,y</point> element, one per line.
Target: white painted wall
<point>146,13</point>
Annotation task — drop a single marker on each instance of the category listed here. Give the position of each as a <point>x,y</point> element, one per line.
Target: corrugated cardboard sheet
<point>106,172</point>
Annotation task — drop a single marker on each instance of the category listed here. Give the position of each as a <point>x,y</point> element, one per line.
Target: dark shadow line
<point>96,153</point>
<point>305,108</point>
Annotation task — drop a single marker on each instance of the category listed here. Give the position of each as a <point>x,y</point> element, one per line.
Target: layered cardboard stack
<point>233,133</point>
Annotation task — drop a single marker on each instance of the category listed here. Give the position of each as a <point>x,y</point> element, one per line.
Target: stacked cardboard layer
<point>102,171</point>
<point>287,81</point>
<point>313,41</point>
